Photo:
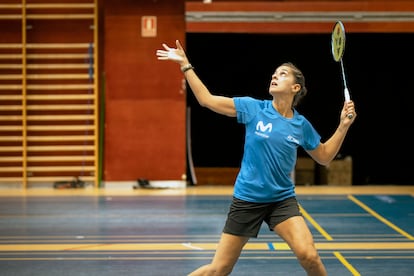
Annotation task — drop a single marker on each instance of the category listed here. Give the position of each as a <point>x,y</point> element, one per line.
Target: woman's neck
<point>284,108</point>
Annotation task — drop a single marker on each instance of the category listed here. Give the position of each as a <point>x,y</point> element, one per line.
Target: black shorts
<point>246,218</point>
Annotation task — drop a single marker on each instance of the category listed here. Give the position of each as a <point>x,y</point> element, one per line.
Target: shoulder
<point>247,108</point>
<point>299,117</point>
<point>249,101</point>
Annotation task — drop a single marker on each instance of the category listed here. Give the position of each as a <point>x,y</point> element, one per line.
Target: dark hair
<point>300,79</point>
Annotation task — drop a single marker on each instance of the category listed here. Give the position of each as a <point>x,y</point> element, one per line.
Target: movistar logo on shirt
<point>262,129</point>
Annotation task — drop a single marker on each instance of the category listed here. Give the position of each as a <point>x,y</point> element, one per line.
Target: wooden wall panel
<point>48,54</point>
<point>145,101</point>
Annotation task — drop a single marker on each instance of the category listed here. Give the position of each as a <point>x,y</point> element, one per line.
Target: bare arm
<point>219,104</point>
<point>327,151</point>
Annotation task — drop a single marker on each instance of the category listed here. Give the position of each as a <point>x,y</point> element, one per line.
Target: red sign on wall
<point>148,26</point>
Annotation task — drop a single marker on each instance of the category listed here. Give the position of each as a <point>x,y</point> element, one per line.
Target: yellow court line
<point>335,246</point>
<point>380,218</point>
<point>346,264</point>
<point>315,224</point>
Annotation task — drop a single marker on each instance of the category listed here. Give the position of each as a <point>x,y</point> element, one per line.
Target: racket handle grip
<point>346,95</point>
<point>347,99</point>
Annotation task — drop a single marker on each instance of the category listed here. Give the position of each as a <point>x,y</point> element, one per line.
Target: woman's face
<point>283,81</point>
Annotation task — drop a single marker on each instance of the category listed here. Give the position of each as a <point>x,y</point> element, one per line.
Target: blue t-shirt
<point>270,150</point>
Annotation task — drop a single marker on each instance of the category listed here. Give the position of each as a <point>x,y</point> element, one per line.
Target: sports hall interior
<point>108,164</point>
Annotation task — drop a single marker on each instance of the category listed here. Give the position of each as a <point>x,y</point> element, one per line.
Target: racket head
<point>338,41</point>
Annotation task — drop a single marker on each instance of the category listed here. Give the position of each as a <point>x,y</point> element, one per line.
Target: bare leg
<point>299,238</point>
<point>227,253</point>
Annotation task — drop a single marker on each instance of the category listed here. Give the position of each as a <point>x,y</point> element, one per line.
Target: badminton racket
<point>338,49</point>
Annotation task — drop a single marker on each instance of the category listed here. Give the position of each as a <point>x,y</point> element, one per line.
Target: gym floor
<point>358,230</point>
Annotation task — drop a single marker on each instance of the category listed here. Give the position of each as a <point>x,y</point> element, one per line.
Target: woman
<point>264,190</point>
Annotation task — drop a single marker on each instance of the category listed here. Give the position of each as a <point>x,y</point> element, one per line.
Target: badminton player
<point>264,190</point>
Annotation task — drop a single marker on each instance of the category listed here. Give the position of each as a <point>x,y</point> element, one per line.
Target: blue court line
<point>271,246</point>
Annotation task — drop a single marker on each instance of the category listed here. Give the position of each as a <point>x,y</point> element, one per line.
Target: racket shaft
<point>346,91</point>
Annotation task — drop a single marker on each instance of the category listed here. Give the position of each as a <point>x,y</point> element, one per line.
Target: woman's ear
<point>296,87</point>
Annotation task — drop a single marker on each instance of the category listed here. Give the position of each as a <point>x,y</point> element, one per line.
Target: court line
<point>351,254</point>
<point>346,264</point>
<point>162,258</point>
<point>139,258</point>
<point>380,218</point>
<point>125,189</point>
<point>271,247</point>
<point>114,256</point>
<point>264,246</point>
<point>50,239</point>
<point>315,224</point>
